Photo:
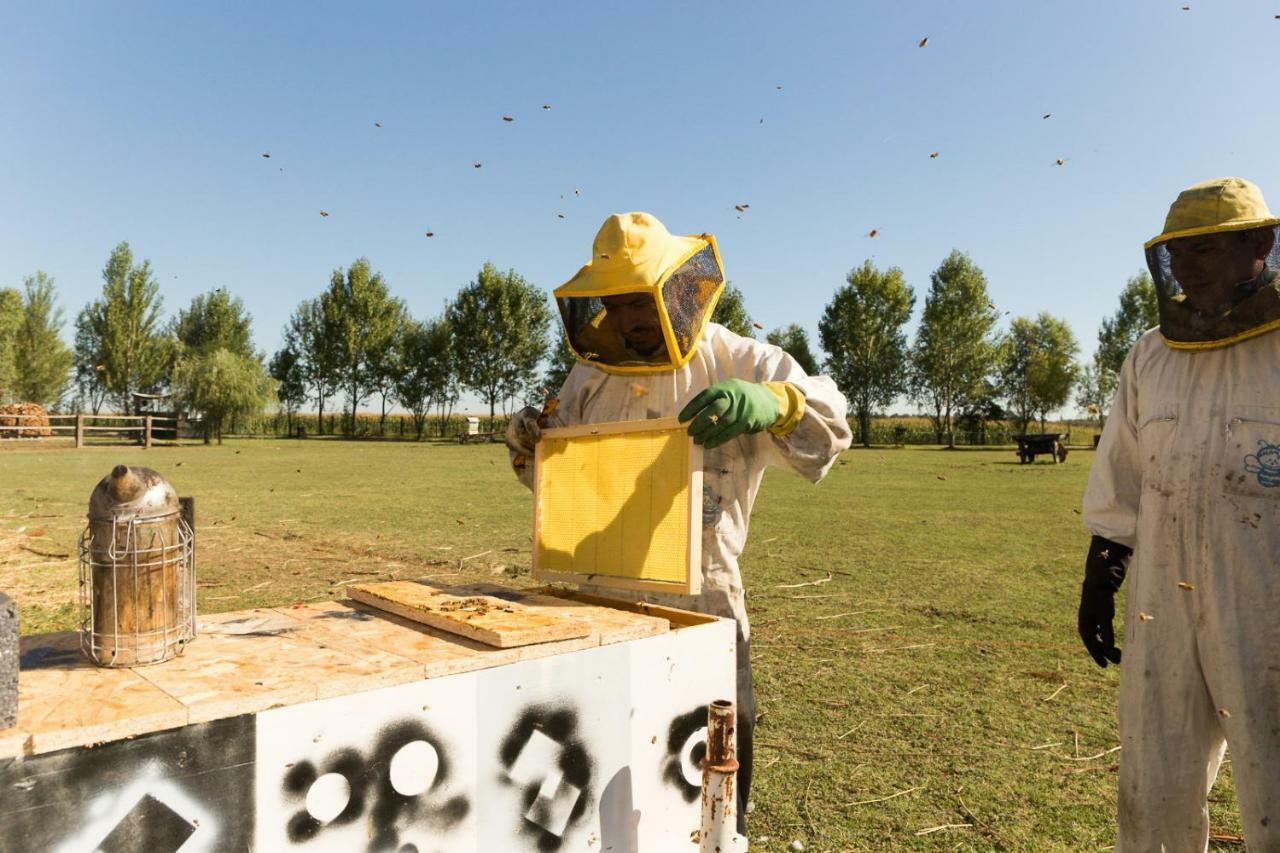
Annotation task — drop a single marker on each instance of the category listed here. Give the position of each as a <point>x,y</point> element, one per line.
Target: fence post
<point>146,432</point>
<point>79,430</point>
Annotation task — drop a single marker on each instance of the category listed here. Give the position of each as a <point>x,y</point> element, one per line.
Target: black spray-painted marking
<point>372,790</point>
<point>544,756</point>
<point>58,800</point>
<point>151,823</point>
<point>686,743</point>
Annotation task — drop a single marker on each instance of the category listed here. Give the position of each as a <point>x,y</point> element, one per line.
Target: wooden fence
<point>137,429</point>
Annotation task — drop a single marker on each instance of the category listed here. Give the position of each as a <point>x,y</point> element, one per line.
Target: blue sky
<point>146,122</point>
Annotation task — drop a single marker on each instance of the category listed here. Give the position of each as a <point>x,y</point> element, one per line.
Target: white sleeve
<point>823,432</point>
<point>1115,480</point>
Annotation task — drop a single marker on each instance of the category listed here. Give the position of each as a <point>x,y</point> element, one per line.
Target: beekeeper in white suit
<point>638,318</point>
<point>1185,494</point>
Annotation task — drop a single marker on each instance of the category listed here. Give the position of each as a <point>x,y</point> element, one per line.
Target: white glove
<point>523,432</point>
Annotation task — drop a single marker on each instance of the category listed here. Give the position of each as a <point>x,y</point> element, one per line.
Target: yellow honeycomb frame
<point>619,505</point>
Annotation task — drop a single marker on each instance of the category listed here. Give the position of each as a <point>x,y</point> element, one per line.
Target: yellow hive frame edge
<point>693,553</point>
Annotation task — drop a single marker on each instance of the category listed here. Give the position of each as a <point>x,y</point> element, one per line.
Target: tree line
<point>961,368</point>
<point>355,341</point>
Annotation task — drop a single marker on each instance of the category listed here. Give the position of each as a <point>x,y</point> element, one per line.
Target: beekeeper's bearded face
<point>1210,266</point>
<point>634,317</point>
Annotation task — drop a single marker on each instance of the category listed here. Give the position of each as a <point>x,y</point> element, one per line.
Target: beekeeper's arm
<point>1111,514</point>
<point>1115,480</point>
<point>799,420</point>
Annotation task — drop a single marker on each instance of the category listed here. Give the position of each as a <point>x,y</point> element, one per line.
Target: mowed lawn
<point>926,690</point>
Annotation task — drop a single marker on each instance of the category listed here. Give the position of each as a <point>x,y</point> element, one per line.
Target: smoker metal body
<point>137,571</point>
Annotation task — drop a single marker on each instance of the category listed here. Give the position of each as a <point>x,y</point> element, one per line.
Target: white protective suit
<point>1188,475</point>
<point>731,472</point>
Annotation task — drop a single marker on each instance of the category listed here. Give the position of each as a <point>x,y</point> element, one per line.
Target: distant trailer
<point>1031,445</point>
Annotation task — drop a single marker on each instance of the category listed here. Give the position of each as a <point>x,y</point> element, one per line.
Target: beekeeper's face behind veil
<point>1215,266</point>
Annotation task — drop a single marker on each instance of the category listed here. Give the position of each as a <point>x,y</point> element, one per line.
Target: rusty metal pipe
<point>718,833</point>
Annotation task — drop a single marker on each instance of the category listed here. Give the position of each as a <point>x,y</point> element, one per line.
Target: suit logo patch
<point>1265,463</point>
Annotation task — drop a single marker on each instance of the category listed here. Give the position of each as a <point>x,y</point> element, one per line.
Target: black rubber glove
<point>1104,570</point>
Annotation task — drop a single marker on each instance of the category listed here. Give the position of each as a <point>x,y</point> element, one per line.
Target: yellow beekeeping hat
<point>634,253</point>
<point>1209,207</point>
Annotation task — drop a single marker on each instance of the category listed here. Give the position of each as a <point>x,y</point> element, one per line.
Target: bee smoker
<point>137,571</point>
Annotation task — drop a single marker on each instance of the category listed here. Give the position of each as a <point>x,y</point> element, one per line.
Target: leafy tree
<point>1137,313</point>
<point>361,319</point>
<point>220,384</point>
<point>43,369</point>
<point>1038,366</point>
<point>794,340</point>
<point>562,361</point>
<point>286,369</point>
<point>500,326</point>
<point>426,375</point>
<point>954,352</point>
<point>215,320</point>
<point>861,330</point>
<point>1094,392</point>
<point>91,386</point>
<point>731,312</point>
<point>10,325</point>
<point>123,334</point>
<point>386,362</point>
<point>307,335</point>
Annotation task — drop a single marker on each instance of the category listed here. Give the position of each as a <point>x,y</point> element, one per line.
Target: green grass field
<point>931,695</point>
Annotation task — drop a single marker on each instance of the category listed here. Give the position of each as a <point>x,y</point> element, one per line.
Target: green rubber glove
<point>729,409</point>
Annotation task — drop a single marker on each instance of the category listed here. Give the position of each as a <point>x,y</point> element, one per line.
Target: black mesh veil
<point>1255,307</point>
<point>690,296</point>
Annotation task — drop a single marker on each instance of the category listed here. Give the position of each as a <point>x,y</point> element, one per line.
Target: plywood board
<point>489,620</point>
<point>613,625</point>
<point>64,700</point>
<point>619,504</point>
<point>225,674</point>
<point>439,653</point>
<point>13,743</point>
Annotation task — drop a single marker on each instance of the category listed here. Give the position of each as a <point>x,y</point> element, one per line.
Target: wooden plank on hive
<point>281,661</point>
<point>13,743</point>
<point>65,701</point>
<point>489,620</point>
<point>440,653</point>
<point>612,624</point>
<point>676,617</point>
